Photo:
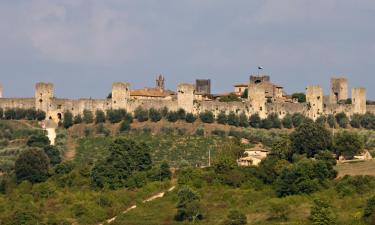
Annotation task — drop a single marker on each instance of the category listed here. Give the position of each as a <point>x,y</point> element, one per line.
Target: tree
<point>321,120</point>
<point>99,116</point>
<point>88,116</point>
<point>243,120</point>
<point>232,119</point>
<point>255,120</point>
<point>38,140</point>
<point>126,157</point>
<point>181,114</point>
<point>140,114</point>
<point>30,114</point>
<point>190,118</point>
<point>355,121</point>
<point>165,171</point>
<point>172,116</point>
<point>281,147</point>
<point>298,119</point>
<point>348,144</point>
<point>274,119</point>
<point>245,93</point>
<point>322,213</point>
<point>53,154</point>
<point>310,138</point>
<point>368,121</point>
<point>10,114</point>
<point>188,205</point>
<point>235,217</point>
<point>40,115</point>
<point>32,165</point>
<point>301,97</point>
<point>232,97</point>
<point>67,119</point>
<point>207,117</point>
<point>287,121</point>
<point>124,126</point>
<point>331,120</point>
<point>370,208</point>
<point>155,115</point>
<point>222,118</point>
<point>342,120</point>
<point>115,115</point>
<point>77,119</point>
<point>266,123</point>
<point>1,113</point>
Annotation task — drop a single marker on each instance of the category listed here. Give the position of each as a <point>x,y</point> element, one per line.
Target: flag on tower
<point>260,68</point>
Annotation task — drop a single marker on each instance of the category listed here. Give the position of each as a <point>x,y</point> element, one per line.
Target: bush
<point>301,97</point>
<point>100,129</point>
<point>68,119</point>
<point>39,141</point>
<point>155,115</point>
<point>243,120</point>
<point>181,114</point>
<point>115,116</point>
<point>322,213</point>
<point>356,121</point>
<point>274,119</point>
<point>32,165</point>
<point>78,119</point>
<point>348,144</point>
<point>1,113</point>
<point>287,121</point>
<point>40,115</point>
<point>30,114</point>
<point>321,120</point>
<point>232,119</point>
<point>124,127</point>
<point>88,116</point>
<point>10,114</point>
<point>368,121</point>
<point>190,118</point>
<point>331,120</point>
<point>349,185</point>
<point>172,116</point>
<point>298,119</point>
<point>370,208</point>
<point>222,118</point>
<point>218,132</point>
<point>164,112</point>
<point>140,114</point>
<point>99,116</point>
<point>266,124</point>
<point>342,120</point>
<point>255,121</point>
<point>199,132</point>
<point>53,154</point>
<point>207,117</point>
<point>232,97</point>
<point>235,217</point>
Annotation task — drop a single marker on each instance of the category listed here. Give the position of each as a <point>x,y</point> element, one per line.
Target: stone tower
<point>203,86</point>
<point>338,90</point>
<point>185,97</point>
<point>160,82</point>
<point>44,93</point>
<point>1,91</point>
<point>255,79</point>
<point>257,99</point>
<point>314,99</point>
<point>359,100</point>
<point>120,95</point>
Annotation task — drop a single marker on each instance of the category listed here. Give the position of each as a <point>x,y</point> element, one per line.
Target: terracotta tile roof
<point>241,85</point>
<point>151,92</point>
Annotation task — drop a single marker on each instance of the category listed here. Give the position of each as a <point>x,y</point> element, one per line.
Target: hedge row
<point>21,114</point>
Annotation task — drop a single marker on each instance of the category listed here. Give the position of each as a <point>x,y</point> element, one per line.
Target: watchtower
<point>257,99</point>
<point>1,91</point>
<point>120,95</point>
<point>160,82</point>
<point>339,89</point>
<point>44,93</point>
<point>185,97</point>
<point>359,100</point>
<point>314,99</point>
<point>203,86</point>
<point>259,79</point>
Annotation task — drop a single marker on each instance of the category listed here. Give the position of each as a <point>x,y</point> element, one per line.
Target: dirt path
<point>150,199</point>
<point>70,152</point>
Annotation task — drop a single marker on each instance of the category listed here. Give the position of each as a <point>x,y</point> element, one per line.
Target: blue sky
<point>84,45</point>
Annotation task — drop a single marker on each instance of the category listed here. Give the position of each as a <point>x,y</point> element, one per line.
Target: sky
<point>82,46</point>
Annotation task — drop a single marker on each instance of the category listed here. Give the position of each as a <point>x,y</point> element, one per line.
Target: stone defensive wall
<point>317,104</point>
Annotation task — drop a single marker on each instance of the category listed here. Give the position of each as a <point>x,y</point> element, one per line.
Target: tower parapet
<point>160,82</point>
<point>314,99</point>
<point>359,100</point>
<point>338,90</point>
<point>185,97</point>
<point>44,93</point>
<point>120,95</point>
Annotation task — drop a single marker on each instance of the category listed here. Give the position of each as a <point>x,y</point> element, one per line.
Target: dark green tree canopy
<point>301,97</point>
<point>32,165</point>
<point>348,144</point>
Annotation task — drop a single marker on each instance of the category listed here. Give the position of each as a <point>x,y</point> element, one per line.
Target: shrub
<point>99,116</point>
<point>321,120</point>
<point>287,121</point>
<point>53,154</point>
<point>20,114</point>
<point>190,118</point>
<point>181,114</point>
<point>266,123</point>
<point>78,119</point>
<point>356,121</point>
<point>274,119</point>
<point>30,114</point>
<point>370,208</point>
<point>255,121</point>
<point>88,116</point>
<point>39,141</point>
<point>1,113</point>
<point>331,120</point>
<point>67,119</point>
<point>322,213</point>
<point>115,116</point>
<point>40,115</point>
<point>172,116</point>
<point>199,132</point>
<point>219,132</point>
<point>164,112</point>
<point>155,115</point>
<point>10,114</point>
<point>348,144</point>
<point>32,165</point>
<point>100,129</point>
<point>235,217</point>
<point>207,117</point>
<point>124,127</point>
<point>188,205</point>
<point>368,121</point>
<point>342,120</point>
<point>222,118</point>
<point>233,119</point>
<point>140,114</point>
<point>232,97</point>
<point>355,184</point>
<point>243,120</point>
<point>298,119</point>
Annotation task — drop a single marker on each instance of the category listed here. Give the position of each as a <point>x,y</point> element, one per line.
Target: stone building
<point>338,89</point>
